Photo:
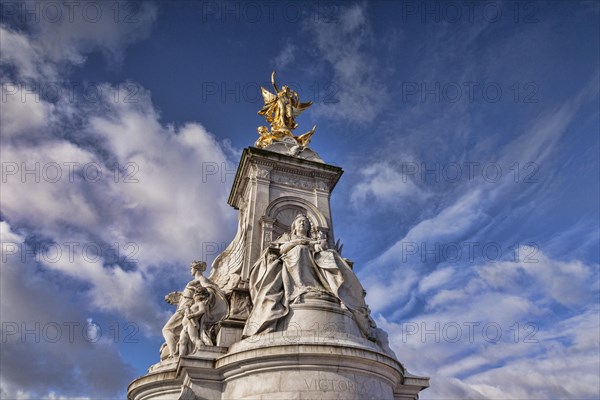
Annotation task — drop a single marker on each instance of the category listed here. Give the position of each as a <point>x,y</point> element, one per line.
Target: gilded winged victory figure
<point>280,110</point>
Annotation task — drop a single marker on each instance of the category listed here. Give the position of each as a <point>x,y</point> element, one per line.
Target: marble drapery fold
<point>304,269</point>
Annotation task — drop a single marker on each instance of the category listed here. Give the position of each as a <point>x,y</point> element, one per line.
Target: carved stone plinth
<point>314,348</point>
<point>307,371</point>
<point>240,304</point>
<point>317,352</point>
<point>187,378</point>
<point>283,366</point>
<point>230,332</point>
<point>320,319</point>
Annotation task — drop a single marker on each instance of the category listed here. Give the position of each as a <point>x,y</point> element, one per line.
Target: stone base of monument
<point>319,318</point>
<point>181,379</point>
<point>230,331</point>
<point>317,353</point>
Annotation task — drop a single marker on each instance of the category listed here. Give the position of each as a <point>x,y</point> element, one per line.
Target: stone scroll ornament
<point>200,306</point>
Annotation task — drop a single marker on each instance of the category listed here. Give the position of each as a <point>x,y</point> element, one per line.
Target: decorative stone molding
<point>320,184</point>
<point>240,304</point>
<point>281,169</point>
<point>267,229</point>
<point>285,202</point>
<point>288,179</point>
<point>260,171</point>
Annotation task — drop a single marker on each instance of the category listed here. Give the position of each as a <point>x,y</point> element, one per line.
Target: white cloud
<point>555,279</point>
<point>539,354</point>
<point>40,53</point>
<point>469,214</point>
<point>54,396</point>
<point>35,301</point>
<point>52,202</point>
<point>157,211</point>
<point>378,290</point>
<point>466,364</point>
<point>384,183</point>
<point>548,369</point>
<point>116,27</point>
<point>451,222</point>
<point>435,279</point>
<point>539,140</point>
<point>400,264</point>
<point>125,179</point>
<point>285,57</point>
<point>356,83</point>
<point>25,55</point>
<point>20,116</point>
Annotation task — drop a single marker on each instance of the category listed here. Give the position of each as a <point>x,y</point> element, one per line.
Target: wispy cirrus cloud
<point>525,291</point>
<point>286,56</point>
<point>385,183</point>
<point>343,45</point>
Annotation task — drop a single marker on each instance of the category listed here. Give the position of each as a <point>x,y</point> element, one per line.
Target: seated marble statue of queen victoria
<point>304,269</point>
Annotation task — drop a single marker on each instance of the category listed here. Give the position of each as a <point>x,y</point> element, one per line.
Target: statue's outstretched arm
<point>273,82</point>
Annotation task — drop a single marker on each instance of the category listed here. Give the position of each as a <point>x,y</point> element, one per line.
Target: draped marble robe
<point>217,309</point>
<point>301,270</point>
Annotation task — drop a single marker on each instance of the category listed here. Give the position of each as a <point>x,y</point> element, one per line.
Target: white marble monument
<point>282,315</point>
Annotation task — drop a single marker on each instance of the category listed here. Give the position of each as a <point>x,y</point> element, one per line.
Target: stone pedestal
<point>230,332</point>
<point>317,350</point>
<point>309,371</point>
<point>187,378</point>
<point>316,353</point>
<point>321,319</point>
<point>282,365</point>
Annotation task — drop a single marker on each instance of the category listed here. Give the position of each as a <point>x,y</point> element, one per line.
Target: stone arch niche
<point>280,214</point>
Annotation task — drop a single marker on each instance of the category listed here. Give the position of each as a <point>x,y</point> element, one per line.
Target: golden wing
<point>304,139</point>
<point>268,97</point>
<point>300,108</point>
<point>270,100</point>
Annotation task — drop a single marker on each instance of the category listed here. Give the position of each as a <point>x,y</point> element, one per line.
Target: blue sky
<point>468,133</point>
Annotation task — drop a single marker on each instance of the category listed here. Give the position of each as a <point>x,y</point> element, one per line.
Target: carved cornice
<point>290,179</point>
<point>264,166</point>
<point>296,169</point>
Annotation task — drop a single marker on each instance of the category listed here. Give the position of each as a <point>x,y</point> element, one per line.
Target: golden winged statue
<point>280,111</point>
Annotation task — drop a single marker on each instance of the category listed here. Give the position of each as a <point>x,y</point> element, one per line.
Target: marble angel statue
<point>200,306</point>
